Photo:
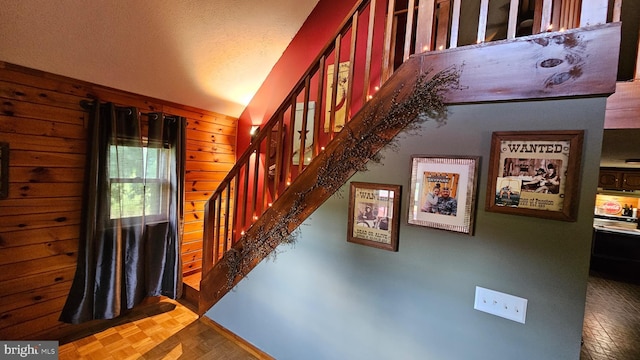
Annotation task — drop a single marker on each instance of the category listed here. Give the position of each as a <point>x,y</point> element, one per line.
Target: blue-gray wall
<point>325,298</point>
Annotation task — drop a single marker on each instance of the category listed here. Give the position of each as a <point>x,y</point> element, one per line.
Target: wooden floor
<point>165,330</point>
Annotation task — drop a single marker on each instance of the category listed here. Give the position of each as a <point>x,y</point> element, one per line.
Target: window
<point>139,182</point>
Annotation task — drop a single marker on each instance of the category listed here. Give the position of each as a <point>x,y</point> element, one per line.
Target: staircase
<point>347,117</point>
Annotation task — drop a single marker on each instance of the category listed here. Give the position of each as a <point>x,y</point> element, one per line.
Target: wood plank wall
<point>41,119</point>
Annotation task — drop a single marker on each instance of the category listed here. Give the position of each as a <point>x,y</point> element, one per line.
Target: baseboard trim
<point>236,339</point>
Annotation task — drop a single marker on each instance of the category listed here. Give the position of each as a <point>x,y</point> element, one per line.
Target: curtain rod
<point>87,105</point>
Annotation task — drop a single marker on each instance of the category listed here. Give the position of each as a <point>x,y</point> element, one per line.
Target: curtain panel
<point>130,239</point>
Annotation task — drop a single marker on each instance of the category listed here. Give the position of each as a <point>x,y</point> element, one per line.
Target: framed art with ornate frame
<point>443,192</point>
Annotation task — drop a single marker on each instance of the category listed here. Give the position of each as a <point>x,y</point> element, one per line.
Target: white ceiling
<point>212,54</point>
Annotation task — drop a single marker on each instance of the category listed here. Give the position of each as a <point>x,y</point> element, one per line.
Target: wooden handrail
<point>264,172</point>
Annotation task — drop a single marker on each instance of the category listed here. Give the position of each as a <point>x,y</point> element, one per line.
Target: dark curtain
<point>123,256</point>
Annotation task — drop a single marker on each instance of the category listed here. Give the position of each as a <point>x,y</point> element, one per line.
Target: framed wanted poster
<point>535,173</point>
<point>374,211</point>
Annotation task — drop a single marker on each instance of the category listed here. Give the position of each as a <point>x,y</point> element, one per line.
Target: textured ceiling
<point>208,54</point>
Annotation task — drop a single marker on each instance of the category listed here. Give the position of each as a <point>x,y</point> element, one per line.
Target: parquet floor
<point>612,319</point>
<point>166,330</point>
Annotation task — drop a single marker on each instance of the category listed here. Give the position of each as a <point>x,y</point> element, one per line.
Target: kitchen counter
<point>622,226</point>
<point>617,229</point>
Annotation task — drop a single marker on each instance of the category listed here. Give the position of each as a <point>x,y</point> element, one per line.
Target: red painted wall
<point>314,34</point>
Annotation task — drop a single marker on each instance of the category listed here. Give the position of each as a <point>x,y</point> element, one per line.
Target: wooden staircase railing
<point>275,185</point>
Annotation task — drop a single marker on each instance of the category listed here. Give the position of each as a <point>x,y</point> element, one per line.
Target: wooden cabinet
<point>609,179</point>
<point>619,179</point>
<point>631,180</point>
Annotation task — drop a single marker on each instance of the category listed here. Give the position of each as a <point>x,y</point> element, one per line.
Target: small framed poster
<point>374,211</point>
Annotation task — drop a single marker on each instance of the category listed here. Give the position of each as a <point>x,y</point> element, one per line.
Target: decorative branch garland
<point>425,102</point>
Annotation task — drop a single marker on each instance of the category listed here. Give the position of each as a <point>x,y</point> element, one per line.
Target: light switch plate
<point>500,304</point>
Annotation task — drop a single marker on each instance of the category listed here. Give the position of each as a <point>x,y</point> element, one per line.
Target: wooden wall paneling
<point>27,329</point>
<point>65,231</point>
<point>43,190</point>
<point>12,255</point>
<point>25,284</point>
<point>38,143</point>
<point>46,159</point>
<point>41,128</point>
<point>25,93</point>
<point>193,257</point>
<point>16,317</point>
<point>212,125</point>
<point>41,174</point>
<point>38,266</point>
<point>42,80</point>
<point>192,227</point>
<point>200,115</point>
<point>194,207</point>
<point>206,167</point>
<point>207,156</point>
<point>623,107</point>
<point>198,195</point>
<point>23,109</point>
<point>193,245</point>
<point>32,297</point>
<point>197,176</point>
<point>41,118</point>
<point>191,216</point>
<point>202,185</point>
<point>192,267</point>
<point>11,223</point>
<point>209,137</point>
<point>34,206</point>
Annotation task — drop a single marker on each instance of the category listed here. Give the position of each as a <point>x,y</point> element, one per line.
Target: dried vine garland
<point>423,103</point>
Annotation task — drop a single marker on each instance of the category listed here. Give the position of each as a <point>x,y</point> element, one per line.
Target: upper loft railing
<point>370,44</point>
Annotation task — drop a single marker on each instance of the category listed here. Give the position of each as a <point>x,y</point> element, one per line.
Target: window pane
<point>126,162</point>
<point>156,199</point>
<point>127,199</point>
<point>130,168</point>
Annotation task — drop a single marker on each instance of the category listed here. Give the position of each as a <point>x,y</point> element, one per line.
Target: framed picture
<point>374,211</point>
<point>535,173</point>
<point>443,192</point>
<point>342,87</point>
<point>308,133</point>
<point>4,170</point>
